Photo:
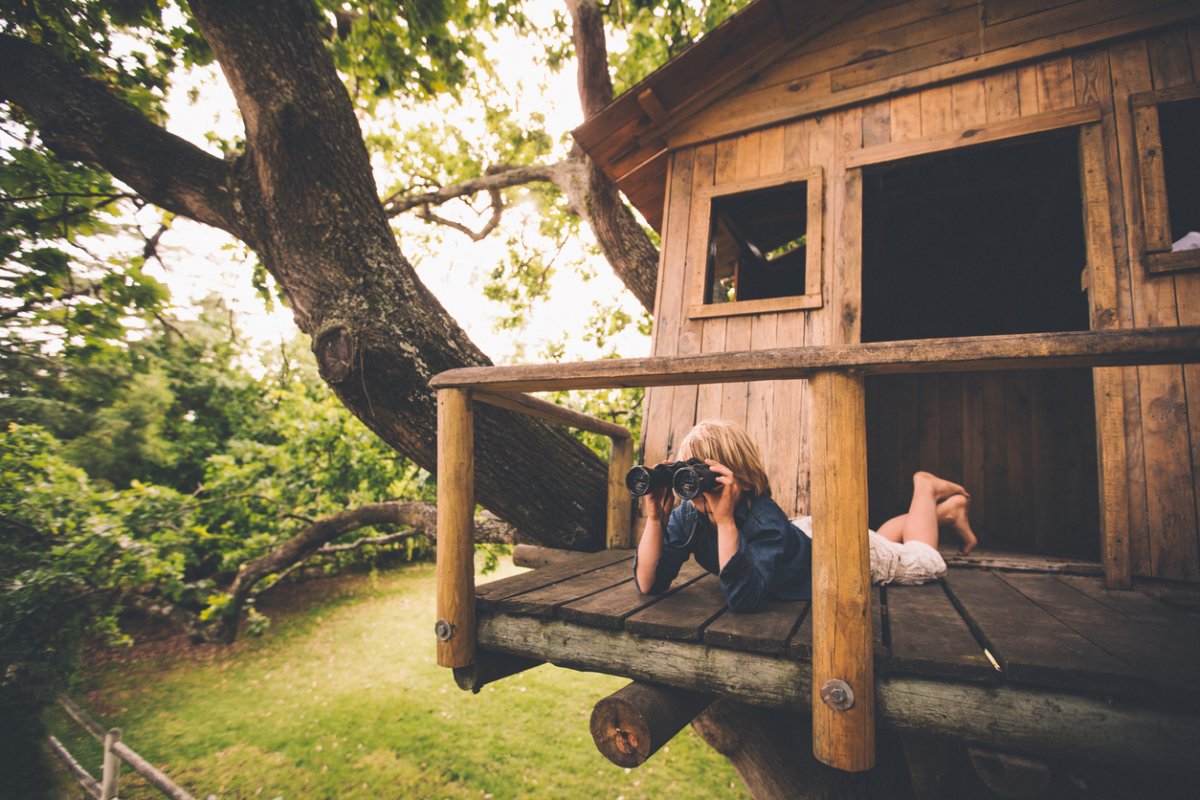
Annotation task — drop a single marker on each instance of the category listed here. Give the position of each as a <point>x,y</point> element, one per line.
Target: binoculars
<point>688,478</point>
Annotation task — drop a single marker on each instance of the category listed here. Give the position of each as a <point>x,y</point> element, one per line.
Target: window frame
<point>1151,189</point>
<point>702,202</point>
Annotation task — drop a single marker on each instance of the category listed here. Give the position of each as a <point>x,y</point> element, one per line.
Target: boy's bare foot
<point>952,513</point>
<point>942,488</point>
<point>962,528</point>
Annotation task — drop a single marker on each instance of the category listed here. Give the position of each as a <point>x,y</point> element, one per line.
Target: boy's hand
<point>659,504</point>
<point>724,500</point>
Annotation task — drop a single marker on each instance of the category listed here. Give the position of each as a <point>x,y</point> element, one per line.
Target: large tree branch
<point>420,517</point>
<point>621,237</point>
<point>80,119</point>
<point>499,177</point>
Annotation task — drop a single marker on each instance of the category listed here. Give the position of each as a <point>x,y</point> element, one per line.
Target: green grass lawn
<point>342,698</point>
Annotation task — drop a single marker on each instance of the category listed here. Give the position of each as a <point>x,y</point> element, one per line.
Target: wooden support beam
<point>1028,720</point>
<point>1109,348</point>
<point>537,407</point>
<point>1107,383</point>
<point>978,134</point>
<point>455,627</point>
<point>630,725</point>
<point>653,107</point>
<point>490,666</point>
<point>843,668</point>
<point>619,525</point>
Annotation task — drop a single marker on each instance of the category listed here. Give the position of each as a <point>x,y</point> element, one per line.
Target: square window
<point>762,246</point>
<point>757,245</point>
<point>1167,129</point>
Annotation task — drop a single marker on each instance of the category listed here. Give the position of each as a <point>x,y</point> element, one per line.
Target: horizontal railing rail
<point>1082,349</point>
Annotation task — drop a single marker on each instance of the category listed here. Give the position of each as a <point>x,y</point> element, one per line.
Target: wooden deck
<point>1065,655</point>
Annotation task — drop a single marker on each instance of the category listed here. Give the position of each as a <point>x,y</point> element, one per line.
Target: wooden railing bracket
<point>838,695</point>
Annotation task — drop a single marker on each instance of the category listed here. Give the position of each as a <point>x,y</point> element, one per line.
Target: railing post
<point>455,627</point>
<point>111,775</point>
<point>619,526</point>
<point>843,668</point>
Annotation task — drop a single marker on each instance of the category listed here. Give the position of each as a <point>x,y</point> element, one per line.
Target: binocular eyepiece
<point>688,478</point>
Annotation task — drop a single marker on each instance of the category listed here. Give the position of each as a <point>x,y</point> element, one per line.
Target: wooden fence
<point>115,751</point>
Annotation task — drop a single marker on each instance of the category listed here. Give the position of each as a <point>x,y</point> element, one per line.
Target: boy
<point>740,534</point>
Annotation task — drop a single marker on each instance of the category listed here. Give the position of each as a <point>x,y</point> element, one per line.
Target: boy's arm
<point>723,503</point>
<point>656,565</point>
<point>649,550</point>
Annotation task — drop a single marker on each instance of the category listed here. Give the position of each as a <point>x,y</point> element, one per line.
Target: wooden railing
<point>115,751</point>
<point>842,663</point>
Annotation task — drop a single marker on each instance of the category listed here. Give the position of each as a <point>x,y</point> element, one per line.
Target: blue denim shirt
<point>773,559</point>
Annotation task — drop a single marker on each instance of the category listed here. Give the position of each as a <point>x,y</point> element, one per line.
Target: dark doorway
<point>982,241</point>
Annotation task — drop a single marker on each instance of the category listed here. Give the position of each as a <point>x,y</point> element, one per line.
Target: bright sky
<point>201,260</point>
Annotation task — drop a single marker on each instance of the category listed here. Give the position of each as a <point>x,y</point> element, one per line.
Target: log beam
<point>1025,720</point>
<point>630,725</point>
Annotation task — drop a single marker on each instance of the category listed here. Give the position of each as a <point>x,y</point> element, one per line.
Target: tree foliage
<point>140,455</point>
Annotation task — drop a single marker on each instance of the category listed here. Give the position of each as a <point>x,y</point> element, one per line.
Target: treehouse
<point>940,234</point>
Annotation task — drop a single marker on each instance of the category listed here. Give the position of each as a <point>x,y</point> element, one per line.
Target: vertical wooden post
<point>1107,382</point>
<point>455,627</point>
<point>110,777</point>
<point>843,668</point>
<point>620,507</point>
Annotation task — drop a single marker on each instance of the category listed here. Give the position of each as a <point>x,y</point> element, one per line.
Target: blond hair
<point>727,443</point>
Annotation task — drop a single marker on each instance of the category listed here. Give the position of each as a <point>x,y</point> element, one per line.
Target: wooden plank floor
<point>1030,630</point>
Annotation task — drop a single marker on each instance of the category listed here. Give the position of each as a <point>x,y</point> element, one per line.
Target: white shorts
<point>910,564</point>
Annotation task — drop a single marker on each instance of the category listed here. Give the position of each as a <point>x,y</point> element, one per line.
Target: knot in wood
<point>336,350</point>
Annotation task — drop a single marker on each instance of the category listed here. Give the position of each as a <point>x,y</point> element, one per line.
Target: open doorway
<point>982,241</point>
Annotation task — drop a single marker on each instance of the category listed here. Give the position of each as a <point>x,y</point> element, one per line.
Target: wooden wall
<point>1162,409</point>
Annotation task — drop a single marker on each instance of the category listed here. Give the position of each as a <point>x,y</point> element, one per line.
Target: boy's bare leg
<point>949,502</point>
<point>942,488</point>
